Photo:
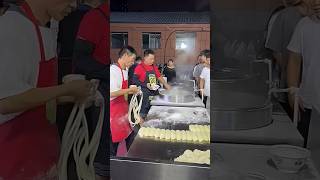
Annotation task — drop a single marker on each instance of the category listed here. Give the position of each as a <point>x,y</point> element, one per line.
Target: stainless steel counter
<point>150,159</point>
<point>161,102</point>
<point>254,159</point>
<point>161,151</point>
<point>154,160</point>
<point>123,169</point>
<point>280,131</point>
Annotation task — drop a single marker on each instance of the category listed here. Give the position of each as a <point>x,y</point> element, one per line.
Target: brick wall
<point>202,40</point>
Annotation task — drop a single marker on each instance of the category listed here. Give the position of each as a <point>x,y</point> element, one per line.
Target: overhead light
<point>183,46</point>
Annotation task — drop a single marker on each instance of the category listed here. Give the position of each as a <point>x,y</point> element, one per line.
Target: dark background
<point>160,5</point>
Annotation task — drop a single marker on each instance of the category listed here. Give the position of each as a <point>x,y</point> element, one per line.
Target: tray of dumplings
<point>195,134</point>
<point>176,118</point>
<point>191,146</point>
<point>167,152</point>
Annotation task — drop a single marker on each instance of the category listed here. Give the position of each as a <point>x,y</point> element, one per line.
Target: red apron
<point>119,124</point>
<point>29,144</point>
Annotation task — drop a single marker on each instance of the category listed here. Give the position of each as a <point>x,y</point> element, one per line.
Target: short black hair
<point>170,60</point>
<point>127,50</point>
<point>147,52</point>
<point>138,59</point>
<point>205,53</point>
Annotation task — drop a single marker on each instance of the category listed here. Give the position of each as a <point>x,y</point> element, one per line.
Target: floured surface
<point>165,102</point>
<point>176,118</point>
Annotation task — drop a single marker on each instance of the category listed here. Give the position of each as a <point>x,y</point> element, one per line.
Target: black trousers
<point>303,125</point>
<point>287,108</point>
<point>129,141</point>
<point>146,105</point>
<point>204,99</point>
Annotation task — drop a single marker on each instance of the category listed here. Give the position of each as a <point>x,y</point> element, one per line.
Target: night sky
<point>159,5</point>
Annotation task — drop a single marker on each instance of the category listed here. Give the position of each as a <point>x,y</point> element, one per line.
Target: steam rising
<point>184,66</point>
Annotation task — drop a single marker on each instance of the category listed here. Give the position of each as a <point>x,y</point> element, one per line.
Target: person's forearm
<point>197,81</point>
<point>31,99</point>
<point>278,58</point>
<point>136,80</point>
<point>119,93</point>
<point>161,80</point>
<point>201,83</point>
<point>293,71</point>
<point>294,65</point>
<point>86,64</point>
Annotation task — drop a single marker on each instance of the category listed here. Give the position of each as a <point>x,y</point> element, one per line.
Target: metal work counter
<point>160,102</point>
<point>280,131</point>
<point>161,151</point>
<point>124,168</point>
<point>176,118</point>
<point>150,159</point>
<point>154,160</point>
<point>254,159</point>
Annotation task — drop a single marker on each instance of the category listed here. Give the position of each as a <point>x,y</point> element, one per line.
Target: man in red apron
<point>119,124</point>
<point>29,143</point>
<point>147,74</point>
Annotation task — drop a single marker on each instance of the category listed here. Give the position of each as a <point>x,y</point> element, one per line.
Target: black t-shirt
<point>170,73</point>
<point>68,29</point>
<point>131,74</point>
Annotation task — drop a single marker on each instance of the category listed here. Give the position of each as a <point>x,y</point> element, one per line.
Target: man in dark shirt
<point>91,58</point>
<point>131,69</point>
<point>80,53</point>
<point>146,75</point>
<point>130,82</point>
<point>68,29</point>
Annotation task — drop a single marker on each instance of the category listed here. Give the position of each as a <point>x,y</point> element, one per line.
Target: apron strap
<point>118,64</point>
<point>28,12</point>
<point>123,81</point>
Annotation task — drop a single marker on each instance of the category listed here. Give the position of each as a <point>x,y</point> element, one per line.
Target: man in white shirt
<point>115,73</point>
<point>199,67</point>
<point>279,38</point>
<point>119,125</point>
<point>205,80</point>
<point>29,144</point>
<point>304,52</point>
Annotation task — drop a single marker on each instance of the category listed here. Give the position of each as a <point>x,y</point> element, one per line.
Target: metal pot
<point>186,85</point>
<point>178,94</point>
<point>241,119</point>
<point>233,90</point>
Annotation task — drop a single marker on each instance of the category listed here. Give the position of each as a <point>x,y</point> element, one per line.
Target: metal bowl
<point>178,95</point>
<point>233,90</point>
